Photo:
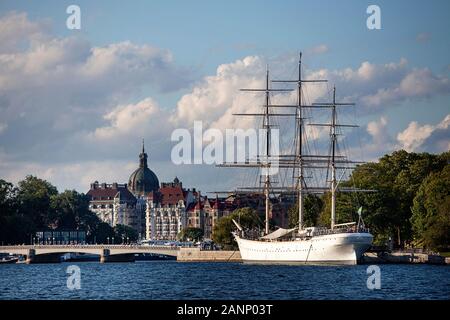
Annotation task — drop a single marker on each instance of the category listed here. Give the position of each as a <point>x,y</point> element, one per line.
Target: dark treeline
<point>35,205</point>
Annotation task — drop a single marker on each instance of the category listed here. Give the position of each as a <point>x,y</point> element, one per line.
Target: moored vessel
<point>343,243</point>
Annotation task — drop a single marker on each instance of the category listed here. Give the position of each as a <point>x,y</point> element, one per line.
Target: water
<point>174,280</point>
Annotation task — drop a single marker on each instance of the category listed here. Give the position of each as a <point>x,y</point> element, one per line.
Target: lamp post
<point>112,240</point>
<point>107,239</point>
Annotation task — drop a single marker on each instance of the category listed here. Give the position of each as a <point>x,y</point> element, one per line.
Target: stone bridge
<point>107,253</point>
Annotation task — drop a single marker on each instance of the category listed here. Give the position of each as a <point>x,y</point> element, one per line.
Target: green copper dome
<point>143,180</point>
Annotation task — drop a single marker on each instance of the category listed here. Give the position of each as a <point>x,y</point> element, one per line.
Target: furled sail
<point>278,233</point>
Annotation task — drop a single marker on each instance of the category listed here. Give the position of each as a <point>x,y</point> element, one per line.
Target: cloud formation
<point>427,137</point>
<point>67,105</point>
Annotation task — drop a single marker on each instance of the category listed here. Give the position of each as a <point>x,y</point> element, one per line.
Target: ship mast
<point>267,178</point>
<point>333,162</point>
<point>299,155</point>
<point>300,145</point>
<point>299,160</point>
<point>267,156</point>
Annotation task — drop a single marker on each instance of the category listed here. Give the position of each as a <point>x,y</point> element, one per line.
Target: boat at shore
<point>329,247</point>
<point>343,243</point>
<point>9,260</point>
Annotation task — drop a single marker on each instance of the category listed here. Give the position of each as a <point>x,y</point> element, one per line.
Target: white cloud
<point>70,175</point>
<point>416,84</point>
<point>66,105</point>
<point>3,127</point>
<point>131,118</point>
<point>423,37</point>
<point>378,130</point>
<point>217,97</point>
<point>375,142</point>
<point>57,90</point>
<point>15,28</point>
<point>320,49</point>
<point>418,137</point>
<point>376,87</point>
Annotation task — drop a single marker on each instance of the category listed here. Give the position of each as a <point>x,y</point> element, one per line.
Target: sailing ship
<point>343,243</point>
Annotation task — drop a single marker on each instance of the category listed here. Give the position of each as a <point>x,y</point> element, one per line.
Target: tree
<point>70,210</point>
<point>346,209</point>
<point>34,196</point>
<point>102,233</point>
<point>190,233</point>
<point>312,208</point>
<point>431,211</point>
<point>124,233</point>
<point>8,201</point>
<point>247,217</point>
<point>15,227</point>
<point>396,179</point>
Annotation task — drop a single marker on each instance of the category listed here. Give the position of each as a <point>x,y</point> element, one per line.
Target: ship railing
<point>256,235</point>
<point>321,232</point>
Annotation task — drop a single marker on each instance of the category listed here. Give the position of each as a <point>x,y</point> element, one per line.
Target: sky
<point>76,104</point>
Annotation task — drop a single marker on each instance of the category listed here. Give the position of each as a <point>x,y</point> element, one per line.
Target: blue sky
<point>202,35</point>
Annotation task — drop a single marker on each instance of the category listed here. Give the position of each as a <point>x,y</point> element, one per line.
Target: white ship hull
<point>340,248</point>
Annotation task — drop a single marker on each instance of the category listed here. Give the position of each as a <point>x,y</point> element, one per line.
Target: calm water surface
<point>172,280</point>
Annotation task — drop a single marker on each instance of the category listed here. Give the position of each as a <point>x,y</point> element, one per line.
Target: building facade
<point>161,212</point>
<point>166,211</point>
<point>114,204</point>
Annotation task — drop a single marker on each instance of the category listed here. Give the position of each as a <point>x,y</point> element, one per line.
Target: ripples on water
<point>172,280</point>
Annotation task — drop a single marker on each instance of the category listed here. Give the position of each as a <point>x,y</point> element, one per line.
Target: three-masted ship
<point>342,243</point>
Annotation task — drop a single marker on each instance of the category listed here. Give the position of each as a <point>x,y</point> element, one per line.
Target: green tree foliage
<point>15,227</point>
<point>190,233</point>
<point>346,209</point>
<point>396,179</point>
<point>124,233</point>
<point>34,196</point>
<point>103,233</point>
<point>36,205</point>
<point>70,210</point>
<point>431,211</point>
<point>18,219</point>
<point>247,217</point>
<point>313,206</point>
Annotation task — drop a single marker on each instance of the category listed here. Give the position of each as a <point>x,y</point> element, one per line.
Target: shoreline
<point>196,255</point>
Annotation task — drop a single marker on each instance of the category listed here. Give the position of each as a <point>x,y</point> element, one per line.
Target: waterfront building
<point>160,212</point>
<point>114,204</point>
<point>143,181</point>
<point>166,210</point>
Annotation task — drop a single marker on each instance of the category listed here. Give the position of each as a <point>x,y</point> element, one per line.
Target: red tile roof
<point>171,195</point>
<point>109,192</point>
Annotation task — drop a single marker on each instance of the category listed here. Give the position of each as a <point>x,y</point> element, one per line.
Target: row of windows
<point>102,206</point>
<point>166,229</point>
<point>172,221</point>
<point>165,214</point>
<point>102,198</point>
